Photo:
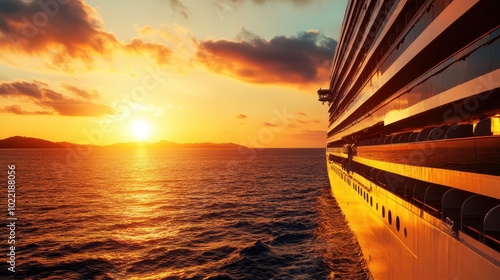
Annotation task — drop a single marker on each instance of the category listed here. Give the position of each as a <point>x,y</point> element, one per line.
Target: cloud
<point>159,52</point>
<point>20,88</point>
<point>63,33</point>
<point>85,94</point>
<point>308,121</point>
<point>179,8</point>
<point>270,124</point>
<point>297,60</point>
<point>48,99</point>
<point>301,114</point>
<point>241,117</point>
<point>17,110</point>
<point>178,39</point>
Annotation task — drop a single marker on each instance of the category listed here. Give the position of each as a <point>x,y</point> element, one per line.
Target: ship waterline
<point>413,143</point>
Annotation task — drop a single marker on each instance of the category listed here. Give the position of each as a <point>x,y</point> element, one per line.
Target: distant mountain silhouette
<point>20,142</point>
<point>28,142</point>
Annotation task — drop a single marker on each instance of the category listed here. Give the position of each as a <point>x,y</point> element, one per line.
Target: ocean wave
<point>90,268</point>
<point>291,238</point>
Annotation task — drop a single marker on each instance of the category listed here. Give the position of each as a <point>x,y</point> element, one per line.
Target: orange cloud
<point>270,124</point>
<point>64,31</point>
<point>158,52</point>
<point>54,102</point>
<point>17,110</point>
<point>308,121</point>
<point>300,60</point>
<point>80,92</point>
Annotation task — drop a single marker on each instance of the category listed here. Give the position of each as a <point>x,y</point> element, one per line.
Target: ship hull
<point>401,241</point>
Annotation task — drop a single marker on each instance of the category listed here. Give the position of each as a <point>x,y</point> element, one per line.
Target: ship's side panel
<point>401,241</point>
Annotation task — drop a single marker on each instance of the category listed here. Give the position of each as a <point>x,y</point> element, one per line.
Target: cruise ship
<point>413,141</point>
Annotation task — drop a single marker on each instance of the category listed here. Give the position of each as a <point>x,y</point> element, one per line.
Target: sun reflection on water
<point>137,197</point>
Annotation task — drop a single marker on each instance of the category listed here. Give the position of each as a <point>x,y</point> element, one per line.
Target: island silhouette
<point>22,142</point>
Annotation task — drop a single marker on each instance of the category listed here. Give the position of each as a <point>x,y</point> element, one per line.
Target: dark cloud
<point>179,8</point>
<point>20,88</point>
<point>54,102</point>
<point>85,94</point>
<point>241,117</point>
<point>298,60</point>
<point>62,32</point>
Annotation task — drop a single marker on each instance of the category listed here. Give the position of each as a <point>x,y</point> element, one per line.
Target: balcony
<point>324,95</point>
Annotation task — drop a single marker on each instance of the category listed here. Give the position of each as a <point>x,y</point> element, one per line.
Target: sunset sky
<point>102,72</point>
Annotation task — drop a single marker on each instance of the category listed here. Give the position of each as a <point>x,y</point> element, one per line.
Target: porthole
<point>397,223</point>
<point>389,217</point>
<point>376,206</point>
<point>371,201</point>
<point>383,212</point>
<point>406,233</point>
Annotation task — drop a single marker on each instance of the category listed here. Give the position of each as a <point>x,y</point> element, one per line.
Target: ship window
<point>383,212</point>
<point>376,206</point>
<point>397,223</point>
<point>371,201</point>
<point>406,233</point>
<point>389,217</point>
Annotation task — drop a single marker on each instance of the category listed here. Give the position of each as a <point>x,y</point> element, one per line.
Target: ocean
<point>174,214</point>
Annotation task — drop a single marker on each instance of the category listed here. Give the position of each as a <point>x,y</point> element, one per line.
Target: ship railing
<point>485,238</point>
<point>491,241</point>
<point>426,207</point>
<point>474,233</point>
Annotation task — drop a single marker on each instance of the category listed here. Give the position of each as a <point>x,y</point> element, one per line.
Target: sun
<point>140,129</point>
